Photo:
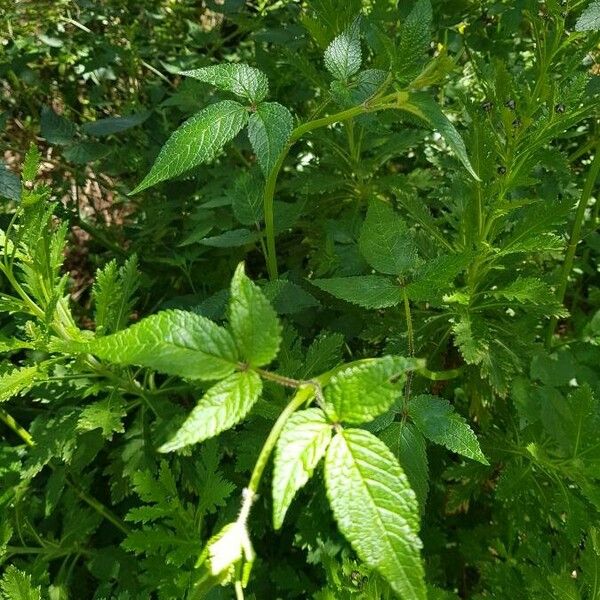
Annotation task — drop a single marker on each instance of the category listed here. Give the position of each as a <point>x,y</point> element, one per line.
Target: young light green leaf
<point>253,321</point>
<point>343,56</point>
<point>300,447</point>
<point>31,164</point>
<point>415,37</point>
<point>590,18</point>
<point>241,79</point>
<point>408,445</point>
<point>106,414</point>
<point>437,420</point>
<point>19,380</point>
<point>197,141</point>
<point>16,585</point>
<point>424,106</point>
<point>269,129</point>
<point>361,392</point>
<point>368,291</point>
<point>223,406</point>
<point>385,241</point>
<point>175,342</point>
<point>376,509</point>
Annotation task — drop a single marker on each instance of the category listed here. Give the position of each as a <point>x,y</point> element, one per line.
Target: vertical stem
<point>410,335</point>
<point>300,397</point>
<point>574,238</point>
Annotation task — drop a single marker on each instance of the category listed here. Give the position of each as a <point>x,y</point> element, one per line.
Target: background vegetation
<point>391,237</point>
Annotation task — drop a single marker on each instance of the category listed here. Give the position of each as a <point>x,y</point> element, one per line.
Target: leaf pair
<point>203,136</point>
<point>390,248</point>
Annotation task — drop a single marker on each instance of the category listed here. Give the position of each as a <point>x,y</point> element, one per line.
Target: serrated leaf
<point>269,129</point>
<point>435,278</point>
<point>16,585</point>
<point>19,380</point>
<point>300,447</point>
<point>175,342</point>
<point>415,37</point>
<point>359,393</point>
<point>590,18</point>
<point>197,141</point>
<point>241,79</point>
<point>343,56</point>
<point>368,291</point>
<point>425,107</point>
<point>84,152</point>
<point>253,321</point>
<point>31,163</point>
<point>247,198</point>
<point>408,445</point>
<point>375,509</point>
<point>385,241</point>
<point>223,406</point>
<point>437,420</point>
<point>56,128</point>
<point>106,414</point>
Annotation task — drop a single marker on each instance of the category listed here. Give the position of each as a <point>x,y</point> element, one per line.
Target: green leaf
<point>531,290</point>
<point>16,585</point>
<point>247,198</point>
<point>361,392</point>
<point>175,342</point>
<point>375,509</point>
<point>19,380</point>
<point>223,406</point>
<point>10,184</point>
<point>269,129</point>
<point>288,298</point>
<point>84,152</point>
<point>590,18</point>
<point>424,106</point>
<point>253,321</point>
<point>437,420</point>
<point>415,37</point>
<point>106,415</point>
<point>385,241</point>
<point>241,79</point>
<point>113,125</point>
<point>197,141</point>
<point>343,56</point>
<point>408,445</point>
<point>56,128</point>
<point>31,164</point>
<point>300,447</point>
<point>368,291</point>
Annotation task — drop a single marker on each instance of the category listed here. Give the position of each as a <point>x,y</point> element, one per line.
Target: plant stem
<point>382,103</point>
<point>410,337</point>
<point>12,424</point>
<point>574,239</point>
<point>300,397</point>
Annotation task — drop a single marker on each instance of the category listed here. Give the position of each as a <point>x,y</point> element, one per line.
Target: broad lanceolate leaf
<point>368,291</point>
<point>385,241</point>
<point>425,107</point>
<point>300,447</point>
<point>408,445</point>
<point>253,321</point>
<point>56,128</point>
<point>174,342</point>
<point>590,18</point>
<point>359,393</point>
<point>414,40</point>
<point>16,585</point>
<point>269,129</point>
<point>224,405</point>
<point>376,509</point>
<point>197,141</point>
<point>243,80</point>
<point>113,125</point>
<point>343,56</point>
<point>437,420</point>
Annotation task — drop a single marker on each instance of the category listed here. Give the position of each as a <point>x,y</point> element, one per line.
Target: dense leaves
<point>341,342</point>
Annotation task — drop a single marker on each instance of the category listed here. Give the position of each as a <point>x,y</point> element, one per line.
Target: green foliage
<point>350,352</point>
